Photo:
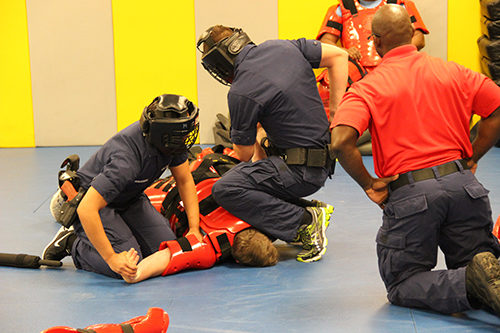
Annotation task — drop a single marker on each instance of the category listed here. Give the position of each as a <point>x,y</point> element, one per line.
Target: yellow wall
<point>462,43</point>
<point>154,53</point>
<point>16,107</point>
<point>298,19</point>
<point>464,28</point>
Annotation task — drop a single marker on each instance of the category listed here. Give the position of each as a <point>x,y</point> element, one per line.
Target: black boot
<point>483,280</point>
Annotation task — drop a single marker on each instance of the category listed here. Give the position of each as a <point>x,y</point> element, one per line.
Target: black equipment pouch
<point>69,182</point>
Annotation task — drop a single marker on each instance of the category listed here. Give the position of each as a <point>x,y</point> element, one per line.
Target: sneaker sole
<point>315,258</point>
<point>483,289</point>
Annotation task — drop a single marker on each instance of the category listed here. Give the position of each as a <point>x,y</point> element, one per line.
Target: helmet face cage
<point>220,57</point>
<point>173,127</point>
<point>219,66</point>
<point>180,140</point>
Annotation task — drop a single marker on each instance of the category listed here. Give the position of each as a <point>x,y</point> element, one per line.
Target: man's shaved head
<point>392,25</point>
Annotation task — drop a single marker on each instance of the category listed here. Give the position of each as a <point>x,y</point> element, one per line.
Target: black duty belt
<point>428,173</point>
<point>306,156</point>
<point>311,157</point>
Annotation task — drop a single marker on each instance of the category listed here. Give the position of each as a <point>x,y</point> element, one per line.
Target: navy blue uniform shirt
<point>125,166</point>
<point>274,84</point>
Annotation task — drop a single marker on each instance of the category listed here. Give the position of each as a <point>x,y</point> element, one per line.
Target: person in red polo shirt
<point>419,123</point>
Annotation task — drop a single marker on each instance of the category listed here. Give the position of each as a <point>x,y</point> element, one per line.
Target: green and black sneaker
<point>328,211</point>
<point>313,236</point>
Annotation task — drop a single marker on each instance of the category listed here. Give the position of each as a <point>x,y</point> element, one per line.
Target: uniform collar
<point>400,51</point>
<point>243,53</point>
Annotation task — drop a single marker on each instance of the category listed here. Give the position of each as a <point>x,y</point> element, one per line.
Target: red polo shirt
<point>418,109</point>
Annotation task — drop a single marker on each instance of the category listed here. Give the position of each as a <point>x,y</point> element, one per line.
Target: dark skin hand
<point>394,27</point>
<point>344,144</point>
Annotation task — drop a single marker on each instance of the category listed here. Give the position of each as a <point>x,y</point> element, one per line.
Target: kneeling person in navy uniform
<point>115,215</point>
<point>426,163</point>
<point>274,101</point>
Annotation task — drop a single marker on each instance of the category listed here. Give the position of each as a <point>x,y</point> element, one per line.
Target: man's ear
<point>377,42</point>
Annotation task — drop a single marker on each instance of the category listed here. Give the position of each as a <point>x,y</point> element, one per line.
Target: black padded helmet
<point>170,123</point>
<point>220,56</point>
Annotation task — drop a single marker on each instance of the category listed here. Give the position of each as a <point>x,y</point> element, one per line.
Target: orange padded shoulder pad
<point>330,24</point>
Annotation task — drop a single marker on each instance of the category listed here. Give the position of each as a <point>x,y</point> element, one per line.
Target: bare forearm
<point>151,266</point>
<point>190,199</point>
<point>338,83</point>
<point>488,134</point>
<point>335,60</point>
<point>258,152</point>
<point>187,191</point>
<point>245,153</point>
<point>352,162</point>
<point>344,145</point>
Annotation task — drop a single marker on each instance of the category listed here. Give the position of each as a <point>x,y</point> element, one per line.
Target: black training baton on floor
<point>26,261</point>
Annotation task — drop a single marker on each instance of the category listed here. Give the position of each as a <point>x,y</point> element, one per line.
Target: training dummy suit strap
<point>210,164</point>
<point>219,225</point>
<point>125,329</point>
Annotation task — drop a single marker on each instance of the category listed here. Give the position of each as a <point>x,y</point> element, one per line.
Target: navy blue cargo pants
<point>451,212</point>
<point>139,226</point>
<point>257,193</point>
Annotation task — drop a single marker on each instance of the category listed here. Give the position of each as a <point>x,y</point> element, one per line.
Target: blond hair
<point>253,248</point>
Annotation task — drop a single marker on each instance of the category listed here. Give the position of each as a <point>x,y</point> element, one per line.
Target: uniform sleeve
<point>311,50</point>
<point>487,98</point>
<point>332,23</point>
<point>120,170</point>
<point>353,112</point>
<point>244,113</point>
<point>417,21</point>
<point>179,159</point>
